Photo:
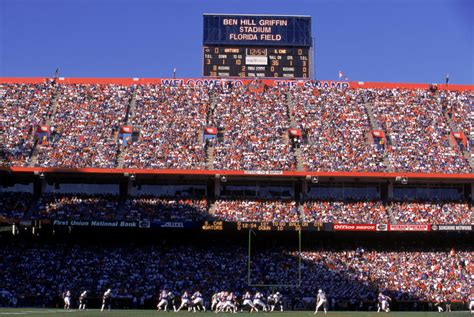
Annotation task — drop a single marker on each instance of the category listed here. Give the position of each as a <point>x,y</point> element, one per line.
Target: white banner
<point>256,60</point>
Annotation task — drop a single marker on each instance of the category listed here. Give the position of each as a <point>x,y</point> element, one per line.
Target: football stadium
<point>253,187</point>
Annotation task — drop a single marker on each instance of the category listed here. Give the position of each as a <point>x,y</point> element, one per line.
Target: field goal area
<point>253,254</point>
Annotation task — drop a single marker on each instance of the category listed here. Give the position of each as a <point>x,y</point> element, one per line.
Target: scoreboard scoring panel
<point>251,61</point>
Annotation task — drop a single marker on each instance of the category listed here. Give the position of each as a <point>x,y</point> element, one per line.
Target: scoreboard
<point>286,62</point>
<point>256,46</point>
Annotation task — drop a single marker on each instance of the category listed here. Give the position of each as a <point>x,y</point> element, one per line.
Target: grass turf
<point>138,313</point>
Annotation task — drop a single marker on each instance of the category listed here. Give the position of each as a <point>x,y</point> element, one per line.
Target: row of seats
<point>105,207</point>
<point>336,127</point>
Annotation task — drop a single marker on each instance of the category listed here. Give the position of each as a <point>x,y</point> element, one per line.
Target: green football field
<point>138,313</point>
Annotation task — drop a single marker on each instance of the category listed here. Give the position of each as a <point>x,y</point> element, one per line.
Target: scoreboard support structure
<point>257,46</point>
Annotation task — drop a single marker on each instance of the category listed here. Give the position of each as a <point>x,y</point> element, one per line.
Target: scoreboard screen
<point>261,46</point>
<point>285,62</point>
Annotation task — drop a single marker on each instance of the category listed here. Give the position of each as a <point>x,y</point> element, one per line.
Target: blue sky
<point>370,40</point>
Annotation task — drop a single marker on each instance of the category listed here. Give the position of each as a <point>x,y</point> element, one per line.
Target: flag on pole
<point>341,75</point>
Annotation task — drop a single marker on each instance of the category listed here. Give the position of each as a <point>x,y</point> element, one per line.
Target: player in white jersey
<point>439,303</point>
<point>221,299</point>
<point>67,300</point>
<point>83,300</point>
<point>247,301</point>
<point>471,305</point>
<point>185,301</point>
<point>163,304</point>
<point>383,303</point>
<point>229,305</point>
<point>107,300</point>
<point>198,302</point>
<point>277,300</point>
<point>214,301</point>
<point>321,300</point>
<point>257,301</point>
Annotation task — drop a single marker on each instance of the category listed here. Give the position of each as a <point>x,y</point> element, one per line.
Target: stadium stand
<point>165,209</point>
<point>14,205</point>
<point>23,107</point>
<point>345,212</point>
<point>78,207</point>
<point>85,126</point>
<point>255,210</point>
<point>431,212</point>
<point>169,120</point>
<point>337,129</point>
<point>418,132</point>
<point>85,119</point>
<point>255,125</point>
<point>38,273</point>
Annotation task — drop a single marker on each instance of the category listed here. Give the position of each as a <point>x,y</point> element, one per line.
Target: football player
<point>185,301</point>
<point>107,300</point>
<point>198,302</point>
<point>321,300</point>
<point>83,300</point>
<point>163,304</point>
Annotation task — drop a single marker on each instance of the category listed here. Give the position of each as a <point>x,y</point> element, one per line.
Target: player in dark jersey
<point>277,301</point>
<point>172,300</point>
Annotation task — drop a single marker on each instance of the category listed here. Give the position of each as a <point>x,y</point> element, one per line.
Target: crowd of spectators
<point>170,121</point>
<point>165,209</point>
<point>418,131</point>
<point>153,208</point>
<point>431,212</point>
<point>345,211</point>
<point>23,107</point>
<point>337,129</point>
<point>254,124</point>
<point>14,205</point>
<point>85,125</point>
<point>403,275</point>
<point>459,107</point>
<point>255,210</point>
<point>346,274</point>
<point>78,206</point>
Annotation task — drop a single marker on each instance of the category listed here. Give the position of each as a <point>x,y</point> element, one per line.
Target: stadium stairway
<point>293,124</point>
<point>391,217</point>
<point>210,157</point>
<point>130,112</point>
<point>466,153</point>
<point>299,160</point>
<point>373,122</point>
<point>212,209</point>
<point>301,212</point>
<point>53,105</point>
<point>374,125</point>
